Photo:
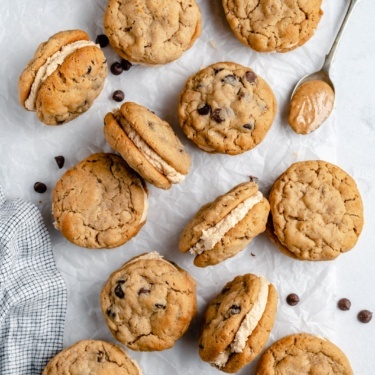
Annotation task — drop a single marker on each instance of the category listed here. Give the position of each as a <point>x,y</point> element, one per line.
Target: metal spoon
<point>323,73</point>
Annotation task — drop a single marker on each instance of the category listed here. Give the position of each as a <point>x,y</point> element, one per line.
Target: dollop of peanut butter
<point>311,105</point>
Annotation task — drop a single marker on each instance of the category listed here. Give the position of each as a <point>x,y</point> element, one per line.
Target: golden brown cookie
<point>64,77</point>
<point>152,32</point>
<point>317,211</point>
<point>92,357</point>
<point>273,25</point>
<point>149,303</point>
<point>148,144</point>
<point>303,354</point>
<point>100,202</point>
<point>237,323</point>
<point>226,108</point>
<point>222,228</point>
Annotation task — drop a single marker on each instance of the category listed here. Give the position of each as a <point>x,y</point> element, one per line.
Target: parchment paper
<point>28,149</point>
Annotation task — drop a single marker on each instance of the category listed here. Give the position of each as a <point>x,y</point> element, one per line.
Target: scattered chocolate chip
<point>364,316</point>
<point>160,306</point>
<point>100,357</point>
<point>218,115</point>
<point>116,68</point>
<point>230,79</point>
<point>251,77</point>
<point>344,304</point>
<point>40,188</point>
<point>60,160</point>
<point>234,310</point>
<point>126,65</point>
<point>102,40</point>
<point>248,126</point>
<point>253,179</point>
<point>118,291</point>
<point>253,255</point>
<point>204,110</point>
<point>118,96</point>
<point>292,299</point>
<point>143,291</point>
<point>111,314</point>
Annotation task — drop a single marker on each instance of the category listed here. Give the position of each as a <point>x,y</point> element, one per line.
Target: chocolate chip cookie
<point>303,354</point>
<point>148,144</point>
<point>226,108</point>
<point>273,25</point>
<point>237,323</point>
<point>222,228</point>
<point>317,211</point>
<point>92,357</point>
<point>100,202</point>
<point>64,77</point>
<point>149,303</point>
<point>152,32</point>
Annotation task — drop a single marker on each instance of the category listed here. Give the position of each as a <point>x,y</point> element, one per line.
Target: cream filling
<point>161,166</point>
<point>145,208</point>
<point>152,255</point>
<point>247,326</point>
<point>50,66</point>
<point>213,235</point>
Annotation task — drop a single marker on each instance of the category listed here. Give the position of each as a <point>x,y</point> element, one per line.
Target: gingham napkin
<point>33,295</point>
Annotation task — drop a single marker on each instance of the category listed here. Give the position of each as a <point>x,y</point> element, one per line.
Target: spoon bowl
<point>321,75</point>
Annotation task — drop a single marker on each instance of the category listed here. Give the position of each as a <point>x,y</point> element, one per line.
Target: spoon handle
<point>331,55</point>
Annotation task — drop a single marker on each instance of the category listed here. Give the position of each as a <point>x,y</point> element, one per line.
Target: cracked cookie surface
<point>156,153</point>
<point>226,108</point>
<point>273,25</point>
<point>92,357</point>
<point>225,315</point>
<point>303,354</point>
<point>317,211</point>
<point>152,32</point>
<point>71,88</point>
<point>237,237</point>
<point>149,303</point>
<point>100,202</point>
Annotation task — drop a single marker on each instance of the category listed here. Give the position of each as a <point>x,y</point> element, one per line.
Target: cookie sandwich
<point>148,144</point>
<point>316,211</point>
<point>92,357</point>
<point>222,228</point>
<point>152,33</point>
<point>238,322</point>
<point>303,354</point>
<point>64,77</point>
<point>100,203</point>
<point>226,108</point>
<point>273,26</point>
<point>149,303</point>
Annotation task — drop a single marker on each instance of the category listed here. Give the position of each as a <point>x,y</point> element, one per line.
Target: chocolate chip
<point>160,306</point>
<point>364,316</point>
<point>102,40</point>
<point>89,70</point>
<point>248,126</point>
<point>253,179</point>
<point>143,291</point>
<point>118,291</point>
<point>253,255</point>
<point>100,358</point>
<point>251,77</point>
<point>230,79</point>
<point>126,65</point>
<point>292,299</point>
<point>40,188</point>
<point>234,310</point>
<point>118,96</point>
<point>204,110</point>
<point>218,115</point>
<point>218,70</point>
<point>60,160</point>
<point>344,304</point>
<point>201,346</point>
<point>111,314</point>
<point>116,68</point>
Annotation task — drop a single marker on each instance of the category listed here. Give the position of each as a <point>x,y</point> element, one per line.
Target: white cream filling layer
<point>213,235</point>
<point>152,255</point>
<point>163,167</point>
<point>247,326</point>
<point>50,66</point>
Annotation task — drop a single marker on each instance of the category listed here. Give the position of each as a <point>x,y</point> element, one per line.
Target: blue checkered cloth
<point>33,295</point>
